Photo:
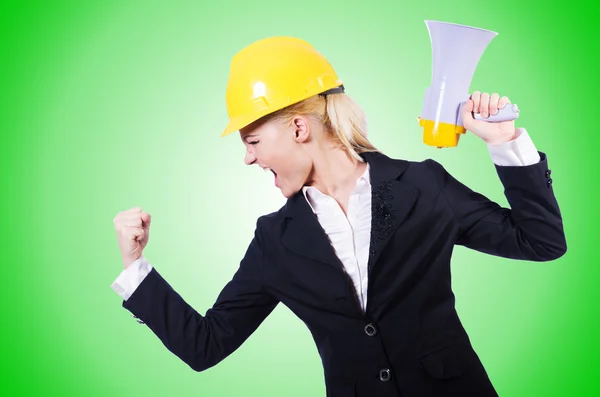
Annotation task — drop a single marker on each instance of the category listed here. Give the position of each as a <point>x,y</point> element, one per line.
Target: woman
<point>361,250</point>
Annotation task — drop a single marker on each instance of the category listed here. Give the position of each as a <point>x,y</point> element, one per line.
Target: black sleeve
<point>203,341</point>
<point>531,229</point>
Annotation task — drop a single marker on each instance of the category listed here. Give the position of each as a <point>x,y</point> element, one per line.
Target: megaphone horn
<point>456,51</point>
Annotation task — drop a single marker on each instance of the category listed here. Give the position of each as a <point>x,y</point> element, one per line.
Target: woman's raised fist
<point>133,229</point>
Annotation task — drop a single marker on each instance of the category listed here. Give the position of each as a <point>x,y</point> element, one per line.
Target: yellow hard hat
<point>273,73</point>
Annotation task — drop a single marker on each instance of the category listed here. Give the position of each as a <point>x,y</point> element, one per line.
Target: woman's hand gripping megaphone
<point>490,117</point>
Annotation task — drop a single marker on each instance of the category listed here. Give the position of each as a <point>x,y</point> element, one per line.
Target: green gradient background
<point>121,104</point>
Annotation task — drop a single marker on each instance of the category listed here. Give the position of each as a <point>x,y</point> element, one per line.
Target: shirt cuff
<point>519,151</point>
<point>130,278</point>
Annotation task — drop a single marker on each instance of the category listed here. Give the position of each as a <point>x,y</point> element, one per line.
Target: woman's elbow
<point>547,253</point>
<point>200,365</point>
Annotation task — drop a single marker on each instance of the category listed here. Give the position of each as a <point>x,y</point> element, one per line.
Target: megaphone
<point>456,51</point>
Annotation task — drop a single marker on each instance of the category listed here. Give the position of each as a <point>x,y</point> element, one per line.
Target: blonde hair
<point>341,116</point>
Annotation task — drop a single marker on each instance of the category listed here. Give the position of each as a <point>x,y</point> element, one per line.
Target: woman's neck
<point>335,172</point>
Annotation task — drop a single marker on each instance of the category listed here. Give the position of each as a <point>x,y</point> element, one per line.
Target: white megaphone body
<point>456,50</point>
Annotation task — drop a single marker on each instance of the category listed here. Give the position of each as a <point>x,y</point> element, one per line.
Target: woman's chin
<point>286,191</point>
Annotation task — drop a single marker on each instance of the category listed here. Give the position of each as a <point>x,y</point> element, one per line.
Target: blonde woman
<point>361,250</point>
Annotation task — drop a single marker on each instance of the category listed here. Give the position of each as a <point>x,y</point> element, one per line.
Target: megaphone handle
<point>508,112</point>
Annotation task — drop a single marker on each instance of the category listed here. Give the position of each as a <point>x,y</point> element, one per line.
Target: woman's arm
<point>204,341</point>
<point>531,229</point>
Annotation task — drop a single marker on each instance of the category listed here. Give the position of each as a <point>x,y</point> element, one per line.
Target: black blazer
<point>410,342</point>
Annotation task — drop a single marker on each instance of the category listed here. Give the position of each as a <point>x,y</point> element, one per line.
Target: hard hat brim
<point>240,122</point>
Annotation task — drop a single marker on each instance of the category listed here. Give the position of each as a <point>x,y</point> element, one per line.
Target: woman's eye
<point>253,143</point>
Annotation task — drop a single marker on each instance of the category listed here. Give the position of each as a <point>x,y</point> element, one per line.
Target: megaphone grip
<point>508,112</point>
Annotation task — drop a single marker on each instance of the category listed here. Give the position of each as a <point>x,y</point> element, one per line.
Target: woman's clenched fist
<point>133,228</point>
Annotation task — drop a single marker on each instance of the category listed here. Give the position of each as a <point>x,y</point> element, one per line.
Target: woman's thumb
<point>137,234</point>
<point>468,106</point>
<point>146,219</point>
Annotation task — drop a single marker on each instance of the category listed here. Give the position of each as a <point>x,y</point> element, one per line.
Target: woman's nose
<point>250,158</point>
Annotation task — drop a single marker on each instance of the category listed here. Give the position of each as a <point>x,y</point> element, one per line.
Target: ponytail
<point>348,123</point>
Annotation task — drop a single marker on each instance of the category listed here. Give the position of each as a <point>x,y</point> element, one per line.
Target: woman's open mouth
<point>274,174</point>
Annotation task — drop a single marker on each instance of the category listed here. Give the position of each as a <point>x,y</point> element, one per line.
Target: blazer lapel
<point>304,235</point>
<point>391,201</point>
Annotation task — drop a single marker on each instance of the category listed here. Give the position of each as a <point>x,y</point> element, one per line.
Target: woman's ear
<point>301,128</point>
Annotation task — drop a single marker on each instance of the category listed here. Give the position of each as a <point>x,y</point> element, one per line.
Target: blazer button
<point>384,375</point>
<point>548,172</point>
<point>549,182</point>
<point>370,330</point>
